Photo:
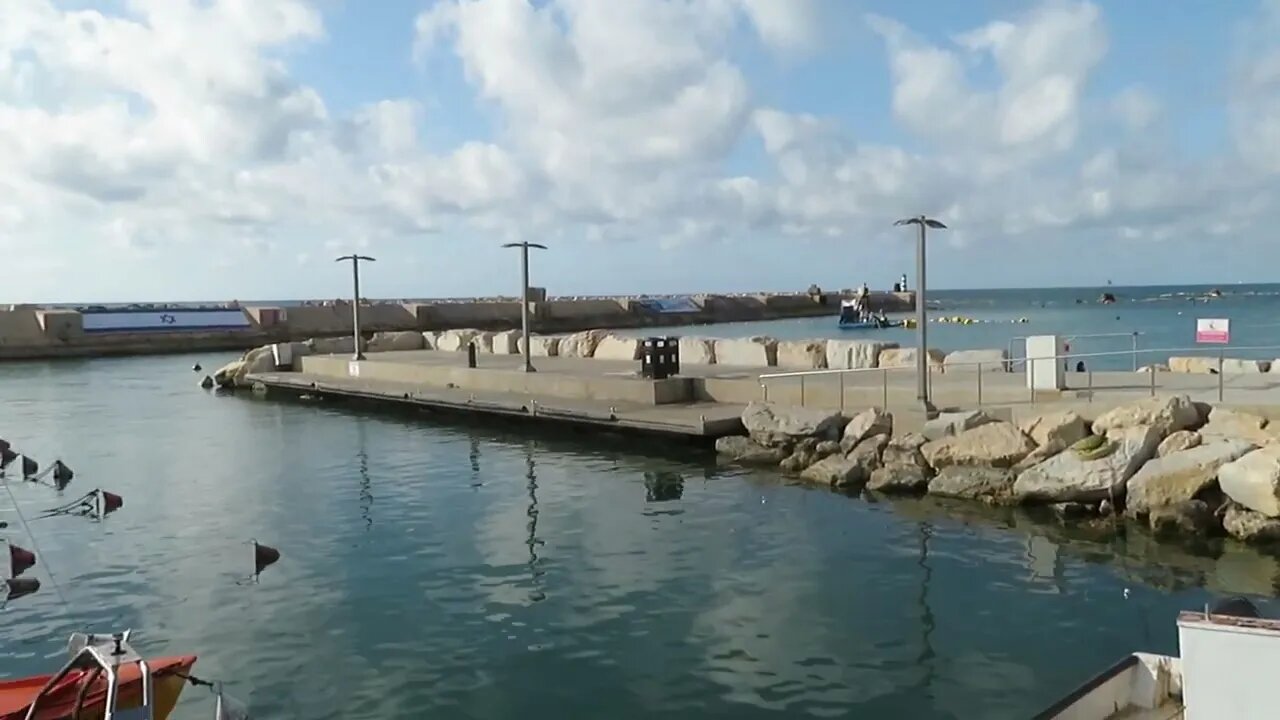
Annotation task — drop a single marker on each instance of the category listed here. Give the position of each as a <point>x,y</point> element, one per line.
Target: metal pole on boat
<point>524,297</point>
<point>355,298</point>
<point>922,319</point>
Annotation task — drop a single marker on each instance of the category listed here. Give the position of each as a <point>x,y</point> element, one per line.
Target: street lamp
<point>922,326</point>
<point>524,295</point>
<point>355,305</point>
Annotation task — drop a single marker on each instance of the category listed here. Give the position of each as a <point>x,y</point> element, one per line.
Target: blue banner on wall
<point>164,320</point>
<point>670,305</point>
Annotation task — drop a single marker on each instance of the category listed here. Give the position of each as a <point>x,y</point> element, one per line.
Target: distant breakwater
<point>28,331</point>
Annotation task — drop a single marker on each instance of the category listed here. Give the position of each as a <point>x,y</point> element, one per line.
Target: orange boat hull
<point>59,704</point>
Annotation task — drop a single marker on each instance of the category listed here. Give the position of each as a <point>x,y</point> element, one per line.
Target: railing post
<point>1151,370</point>
<point>841,376</point>
<point>1221,353</point>
<point>801,391</point>
<point>764,390</point>
<point>884,389</point>
<point>979,384</point>
<point>1032,378</point>
<point>1135,352</point>
<point>1090,384</point>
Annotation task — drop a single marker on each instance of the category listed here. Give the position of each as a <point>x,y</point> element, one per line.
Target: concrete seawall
<point>28,332</point>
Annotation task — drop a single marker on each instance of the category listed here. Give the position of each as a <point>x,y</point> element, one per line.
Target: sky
<point>231,149</point>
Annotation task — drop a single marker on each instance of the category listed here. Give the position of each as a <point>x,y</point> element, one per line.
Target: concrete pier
<point>705,401</point>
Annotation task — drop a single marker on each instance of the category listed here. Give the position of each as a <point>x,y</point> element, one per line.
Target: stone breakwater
<point>32,332</point>
<point>1181,469</point>
<point>753,352</point>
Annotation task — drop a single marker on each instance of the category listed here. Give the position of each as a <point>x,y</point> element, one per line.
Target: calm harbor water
<point>452,570</point>
<point>1164,317</point>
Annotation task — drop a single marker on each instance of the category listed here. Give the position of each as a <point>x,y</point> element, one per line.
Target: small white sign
<point>353,369</point>
<point>1213,330</point>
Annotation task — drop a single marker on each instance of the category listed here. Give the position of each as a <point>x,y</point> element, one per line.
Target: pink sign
<point>1213,330</point>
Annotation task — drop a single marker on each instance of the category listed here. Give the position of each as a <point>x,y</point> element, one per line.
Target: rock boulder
<point>1178,441</point>
<point>616,347</point>
<point>1068,477</point>
<point>973,483</point>
<point>580,344</point>
<point>540,346</point>
<point>802,354</point>
<point>395,341</point>
<point>899,479</point>
<point>869,452</point>
<point>331,346</point>
<point>905,450</point>
<point>1225,424</point>
<point>1164,414</point>
<point>873,421</point>
<point>1179,477</point>
<point>1254,480</point>
<point>954,423</point>
<point>1058,430</point>
<point>775,425</point>
<point>1244,524</point>
<point>837,471</point>
<point>742,450</point>
<point>996,444</point>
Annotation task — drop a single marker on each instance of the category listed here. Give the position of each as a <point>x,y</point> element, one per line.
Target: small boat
<point>1226,670</point>
<point>105,679</point>
<point>851,319</point>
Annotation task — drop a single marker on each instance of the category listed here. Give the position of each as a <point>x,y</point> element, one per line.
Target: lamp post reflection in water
<point>532,541</point>
<point>366,483</point>
<point>927,623</point>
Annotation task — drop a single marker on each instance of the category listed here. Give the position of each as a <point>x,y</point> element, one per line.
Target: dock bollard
<point>471,354</point>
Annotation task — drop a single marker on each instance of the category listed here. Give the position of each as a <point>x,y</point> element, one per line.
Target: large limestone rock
<point>954,423</point>
<point>456,340</point>
<point>1164,414</point>
<point>742,450</point>
<point>997,444</point>
<point>697,351</point>
<point>1178,441</point>
<point>868,453</point>
<point>1249,526</point>
<point>899,479</point>
<point>1068,477</point>
<point>1237,366</point>
<point>837,471</point>
<point>1194,365</point>
<point>225,376</point>
<point>1181,476</point>
<point>616,347</point>
<point>775,425</point>
<point>506,342</point>
<point>1225,423</point>
<point>905,450</point>
<point>991,360</point>
<point>855,354</point>
<point>747,352</point>
<point>395,341</point>
<point>802,354</point>
<point>908,357</point>
<point>581,344</point>
<point>873,421</point>
<point>540,346</point>
<point>331,346</point>
<point>807,452</point>
<point>1057,430</point>
<point>973,483</point>
<point>1254,480</point>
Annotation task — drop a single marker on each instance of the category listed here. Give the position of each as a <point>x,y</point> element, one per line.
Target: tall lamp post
<point>355,298</point>
<point>524,295</point>
<point>922,326</point>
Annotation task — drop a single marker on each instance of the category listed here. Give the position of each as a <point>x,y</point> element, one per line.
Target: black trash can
<point>660,357</point>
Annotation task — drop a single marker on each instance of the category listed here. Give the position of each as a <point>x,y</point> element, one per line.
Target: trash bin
<point>660,357</point>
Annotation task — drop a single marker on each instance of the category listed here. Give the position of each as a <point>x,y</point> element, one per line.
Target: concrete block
<point>541,346</point>
<point>992,360</point>
<point>483,341</point>
<point>907,358</point>
<point>581,344</point>
<point>506,342</point>
<point>456,340</point>
<point>1236,366</point>
<point>856,354</point>
<point>747,352</point>
<point>332,346</point>
<point>391,341</point>
<point>430,339</point>
<point>1197,365</point>
<point>697,351</point>
<point>615,347</point>
<point>802,354</point>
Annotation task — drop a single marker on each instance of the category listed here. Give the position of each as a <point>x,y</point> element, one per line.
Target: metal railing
<point>1133,336</point>
<point>983,391</point>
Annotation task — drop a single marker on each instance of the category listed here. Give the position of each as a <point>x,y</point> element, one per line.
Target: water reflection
<point>366,483</point>
<point>663,486</point>
<point>535,563</point>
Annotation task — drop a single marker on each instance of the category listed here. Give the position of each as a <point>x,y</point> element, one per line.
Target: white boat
<point>1226,671</point>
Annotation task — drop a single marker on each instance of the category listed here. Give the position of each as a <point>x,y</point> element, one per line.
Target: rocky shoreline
<point>1176,467</point>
